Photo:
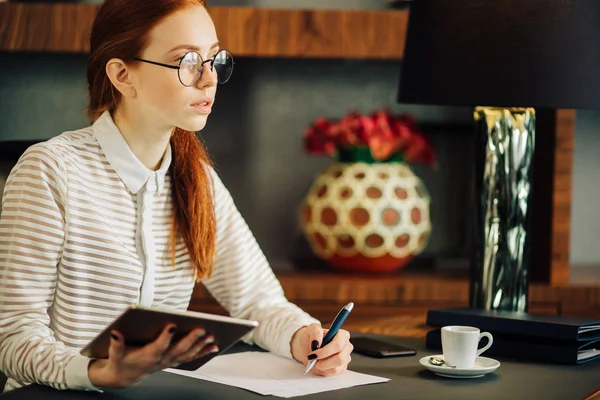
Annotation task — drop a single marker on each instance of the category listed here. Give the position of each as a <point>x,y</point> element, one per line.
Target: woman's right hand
<point>128,366</point>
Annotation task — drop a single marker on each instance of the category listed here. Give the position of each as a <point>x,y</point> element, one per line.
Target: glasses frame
<point>178,67</point>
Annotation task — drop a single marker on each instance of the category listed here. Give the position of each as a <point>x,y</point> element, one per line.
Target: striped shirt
<point>85,232</point>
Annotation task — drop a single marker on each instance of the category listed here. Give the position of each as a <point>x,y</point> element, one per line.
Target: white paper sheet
<point>269,374</point>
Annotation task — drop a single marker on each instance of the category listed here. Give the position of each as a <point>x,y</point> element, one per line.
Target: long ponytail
<point>194,215</point>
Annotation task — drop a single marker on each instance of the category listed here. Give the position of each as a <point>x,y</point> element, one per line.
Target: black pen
<point>333,330</point>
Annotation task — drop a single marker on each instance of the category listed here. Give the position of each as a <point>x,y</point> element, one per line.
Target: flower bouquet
<point>380,137</point>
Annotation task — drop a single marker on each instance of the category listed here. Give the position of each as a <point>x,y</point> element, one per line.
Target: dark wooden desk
<point>409,380</point>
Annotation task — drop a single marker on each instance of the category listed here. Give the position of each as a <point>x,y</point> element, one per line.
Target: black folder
<point>520,335</point>
<point>531,348</point>
<point>552,327</point>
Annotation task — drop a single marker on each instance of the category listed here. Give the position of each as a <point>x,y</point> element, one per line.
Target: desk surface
<point>409,380</point>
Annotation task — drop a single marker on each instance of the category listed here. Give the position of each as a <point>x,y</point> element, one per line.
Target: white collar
<point>129,168</point>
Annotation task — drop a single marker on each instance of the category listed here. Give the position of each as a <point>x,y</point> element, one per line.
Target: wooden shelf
<point>552,195</point>
<point>251,32</point>
<point>397,304</point>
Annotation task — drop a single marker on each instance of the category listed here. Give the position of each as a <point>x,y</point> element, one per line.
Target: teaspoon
<point>439,362</point>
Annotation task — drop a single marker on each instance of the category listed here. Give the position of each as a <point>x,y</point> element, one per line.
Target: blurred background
<point>255,137</point>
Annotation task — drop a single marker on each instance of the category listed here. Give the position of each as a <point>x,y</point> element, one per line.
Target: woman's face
<point>159,90</point>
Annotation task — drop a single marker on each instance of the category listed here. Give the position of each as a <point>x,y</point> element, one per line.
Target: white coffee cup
<point>460,343</point>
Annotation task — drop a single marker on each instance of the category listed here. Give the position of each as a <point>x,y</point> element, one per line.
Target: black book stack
<point>520,335</point>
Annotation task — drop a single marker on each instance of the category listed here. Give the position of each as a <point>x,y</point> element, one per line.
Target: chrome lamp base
<point>499,270</point>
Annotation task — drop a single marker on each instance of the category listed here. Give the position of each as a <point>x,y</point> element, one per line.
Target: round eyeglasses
<point>191,66</point>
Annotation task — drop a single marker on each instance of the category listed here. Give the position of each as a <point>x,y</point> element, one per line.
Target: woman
<point>129,210</point>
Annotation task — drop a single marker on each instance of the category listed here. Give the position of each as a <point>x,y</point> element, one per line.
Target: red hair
<point>121,30</point>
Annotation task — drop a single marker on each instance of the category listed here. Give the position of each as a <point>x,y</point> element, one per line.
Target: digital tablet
<point>142,325</point>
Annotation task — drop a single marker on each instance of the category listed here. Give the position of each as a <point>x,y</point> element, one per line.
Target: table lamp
<point>505,58</point>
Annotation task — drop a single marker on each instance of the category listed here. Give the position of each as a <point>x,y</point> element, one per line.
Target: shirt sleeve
<point>32,226</point>
<point>244,283</point>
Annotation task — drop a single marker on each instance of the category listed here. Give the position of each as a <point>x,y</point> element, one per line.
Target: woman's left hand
<point>332,359</point>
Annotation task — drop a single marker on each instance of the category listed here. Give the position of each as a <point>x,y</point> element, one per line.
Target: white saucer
<point>483,366</point>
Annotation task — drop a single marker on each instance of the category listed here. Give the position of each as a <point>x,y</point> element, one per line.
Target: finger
<point>116,349</point>
<point>156,349</point>
<point>199,351</point>
<point>337,360</point>
<point>185,344</point>
<point>332,371</point>
<point>194,352</point>
<point>341,340</point>
<point>315,337</point>
<point>204,346</point>
<point>204,351</point>
<point>213,348</point>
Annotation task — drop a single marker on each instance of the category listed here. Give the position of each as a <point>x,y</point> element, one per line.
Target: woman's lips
<point>203,107</point>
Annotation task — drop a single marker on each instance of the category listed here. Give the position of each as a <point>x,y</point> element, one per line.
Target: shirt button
<point>151,185</point>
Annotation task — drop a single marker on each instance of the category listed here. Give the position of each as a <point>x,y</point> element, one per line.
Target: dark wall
<point>255,133</point>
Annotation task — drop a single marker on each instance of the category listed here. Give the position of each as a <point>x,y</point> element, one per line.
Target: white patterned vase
<point>367,217</point>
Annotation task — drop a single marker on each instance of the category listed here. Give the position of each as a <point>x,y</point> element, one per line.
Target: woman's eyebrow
<point>192,47</point>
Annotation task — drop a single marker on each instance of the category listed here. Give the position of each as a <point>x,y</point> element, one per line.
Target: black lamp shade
<point>502,53</point>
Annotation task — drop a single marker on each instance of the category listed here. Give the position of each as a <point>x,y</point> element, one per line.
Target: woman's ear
<point>120,76</point>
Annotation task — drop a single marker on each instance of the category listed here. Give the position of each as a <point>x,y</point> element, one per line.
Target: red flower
<point>383,132</point>
<point>317,138</point>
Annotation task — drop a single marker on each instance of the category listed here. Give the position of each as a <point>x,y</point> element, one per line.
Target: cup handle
<point>487,346</point>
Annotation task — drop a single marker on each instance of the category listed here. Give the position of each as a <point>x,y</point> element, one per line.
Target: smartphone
<point>379,348</point>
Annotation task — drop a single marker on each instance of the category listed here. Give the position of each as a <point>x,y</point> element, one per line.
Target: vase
<point>361,215</point>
